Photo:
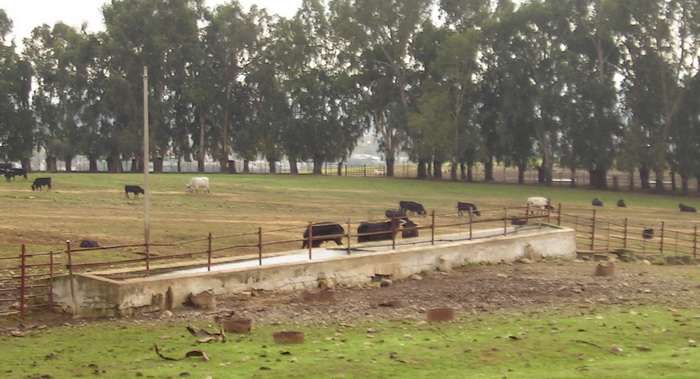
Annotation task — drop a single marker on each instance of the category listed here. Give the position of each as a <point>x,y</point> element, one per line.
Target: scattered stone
<point>288,337</point>
<point>616,350</point>
<point>385,283</point>
<point>444,264</point>
<point>441,314</point>
<point>416,277</point>
<point>203,300</point>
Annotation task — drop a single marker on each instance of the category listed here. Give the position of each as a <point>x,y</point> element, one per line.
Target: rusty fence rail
<point>25,280</point>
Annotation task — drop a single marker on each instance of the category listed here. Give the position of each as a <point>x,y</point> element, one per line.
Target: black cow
<point>686,208</point>
<point>10,173</point>
<point>41,182</point>
<point>9,176</point>
<point>413,207</point>
<point>597,202</point>
<point>393,213</point>
<point>518,221</point>
<point>648,234</point>
<point>89,243</point>
<point>136,190</point>
<point>465,207</point>
<point>377,231</point>
<point>323,231</point>
<point>409,230</point>
<point>621,203</point>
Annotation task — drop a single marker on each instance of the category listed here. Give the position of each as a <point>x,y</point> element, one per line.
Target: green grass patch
<point>616,342</point>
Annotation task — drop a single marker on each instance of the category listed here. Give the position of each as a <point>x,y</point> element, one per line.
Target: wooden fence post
<point>259,246</point>
<point>559,215</point>
<point>624,236</point>
<point>695,242</point>
<point>311,236</point>
<point>51,263</point>
<point>593,231</point>
<point>72,279</point>
<point>432,229</point>
<point>209,252</point>
<point>471,215</point>
<point>22,279</point>
<point>663,235</point>
<point>505,220</point>
<point>349,237</point>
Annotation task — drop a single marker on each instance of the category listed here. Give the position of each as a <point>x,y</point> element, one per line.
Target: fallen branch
<point>193,353</point>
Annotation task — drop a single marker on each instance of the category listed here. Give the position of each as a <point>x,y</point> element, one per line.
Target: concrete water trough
<point>127,291</point>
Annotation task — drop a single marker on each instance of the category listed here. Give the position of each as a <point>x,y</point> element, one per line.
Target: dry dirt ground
<point>505,289</point>
<point>491,289</point>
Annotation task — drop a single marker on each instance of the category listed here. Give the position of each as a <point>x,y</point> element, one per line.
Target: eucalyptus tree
<point>16,122</point>
<point>662,53</point>
<point>324,126</point>
<point>590,108</point>
<point>162,35</point>
<point>62,58</point>
<point>377,35</point>
<point>507,94</point>
<point>234,43</point>
<point>446,106</point>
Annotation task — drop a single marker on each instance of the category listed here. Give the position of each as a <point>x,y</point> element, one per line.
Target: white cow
<point>538,203</point>
<point>196,183</point>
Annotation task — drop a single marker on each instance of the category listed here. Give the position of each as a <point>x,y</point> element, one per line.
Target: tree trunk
<point>673,182</point>
<point>134,165</point>
<point>92,164</point>
<point>224,143</point>
<point>340,168</point>
<point>318,166</point>
<point>573,178</point>
<point>684,185</point>
<point>246,166</point>
<point>453,171</point>
<point>272,164</point>
<point>157,164</point>
<point>422,170</point>
<point>644,175</point>
<point>521,173</point>
<point>293,167</point>
<point>26,164</point>
<point>631,185</point>
<point>488,170</point>
<point>437,170</point>
<point>114,163</point>
<point>470,173</point>
<point>659,173</point>
<point>390,163</point>
<point>51,165</point>
<point>599,178</point>
<point>68,161</point>
<point>463,171</point>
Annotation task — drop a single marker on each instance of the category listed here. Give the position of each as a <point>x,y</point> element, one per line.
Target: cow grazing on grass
<point>378,231</point>
<point>409,229</point>
<point>41,182</point>
<point>393,213</point>
<point>597,202</point>
<point>322,232</point>
<point>89,243</point>
<point>621,203</point>
<point>413,207</point>
<point>136,190</point>
<point>465,207</point>
<point>686,208</point>
<point>196,183</point>
<point>648,234</point>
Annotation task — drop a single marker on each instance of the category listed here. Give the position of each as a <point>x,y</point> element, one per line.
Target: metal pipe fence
<point>26,279</point>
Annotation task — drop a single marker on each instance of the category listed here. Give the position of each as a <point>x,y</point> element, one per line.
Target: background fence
<point>26,280</point>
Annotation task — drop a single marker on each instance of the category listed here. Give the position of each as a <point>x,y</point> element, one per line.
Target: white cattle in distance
<point>538,203</point>
<point>196,183</point>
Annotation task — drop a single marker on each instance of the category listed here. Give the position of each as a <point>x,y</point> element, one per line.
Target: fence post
<point>364,170</point>
<point>559,215</point>
<point>209,252</point>
<point>72,278</point>
<point>311,236</point>
<point>393,233</point>
<point>624,235</point>
<point>22,279</point>
<point>505,220</point>
<point>471,215</point>
<point>527,213</point>
<point>432,229</point>
<point>259,246</point>
<point>663,235</point>
<point>349,237</point>
<point>51,281</point>
<point>695,242</point>
<point>593,230</point>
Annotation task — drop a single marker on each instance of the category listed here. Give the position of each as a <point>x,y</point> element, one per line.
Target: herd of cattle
<point>397,220</point>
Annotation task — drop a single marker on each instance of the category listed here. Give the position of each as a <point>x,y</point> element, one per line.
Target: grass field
<point>567,343</point>
<point>93,206</point>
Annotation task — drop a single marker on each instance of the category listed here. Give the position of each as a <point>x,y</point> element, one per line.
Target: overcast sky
<point>27,14</point>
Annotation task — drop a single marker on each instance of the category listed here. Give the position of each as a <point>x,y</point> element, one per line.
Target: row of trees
<point>587,84</point>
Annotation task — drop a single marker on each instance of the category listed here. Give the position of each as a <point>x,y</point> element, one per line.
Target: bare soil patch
<point>506,289</point>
